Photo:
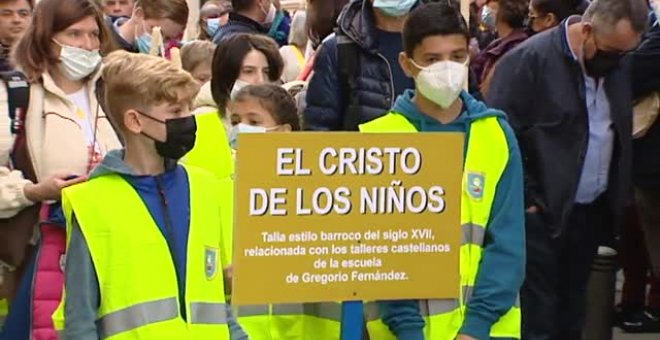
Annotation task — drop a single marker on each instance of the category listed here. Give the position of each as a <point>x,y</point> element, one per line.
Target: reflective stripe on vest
<point>486,159</point>
<point>291,321</point>
<point>136,275</point>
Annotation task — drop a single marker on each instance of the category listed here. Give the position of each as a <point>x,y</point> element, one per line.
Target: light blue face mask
<point>212,26</point>
<point>394,8</point>
<point>144,43</point>
<point>488,18</point>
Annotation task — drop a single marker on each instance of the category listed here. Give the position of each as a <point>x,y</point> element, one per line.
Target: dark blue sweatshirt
<point>503,263</point>
<point>167,197</point>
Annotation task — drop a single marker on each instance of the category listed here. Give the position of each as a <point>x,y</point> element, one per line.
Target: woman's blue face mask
<point>212,26</point>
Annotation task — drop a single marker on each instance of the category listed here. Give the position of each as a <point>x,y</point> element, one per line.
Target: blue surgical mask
<point>394,8</point>
<point>144,43</point>
<point>212,26</point>
<point>488,18</point>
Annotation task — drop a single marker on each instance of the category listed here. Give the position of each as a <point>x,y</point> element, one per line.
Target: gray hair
<point>610,12</point>
<point>298,32</point>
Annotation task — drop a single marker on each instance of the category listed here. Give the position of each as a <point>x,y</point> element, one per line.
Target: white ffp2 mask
<point>441,82</point>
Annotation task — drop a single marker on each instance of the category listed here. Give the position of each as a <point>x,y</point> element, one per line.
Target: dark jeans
<point>554,293</point>
<point>648,202</point>
<point>636,269</point>
<point>17,323</point>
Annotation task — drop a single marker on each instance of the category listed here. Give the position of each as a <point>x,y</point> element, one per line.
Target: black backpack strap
<point>348,54</point>
<point>18,98</point>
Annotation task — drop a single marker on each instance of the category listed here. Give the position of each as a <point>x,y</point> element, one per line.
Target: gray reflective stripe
<point>324,310</point>
<point>467,293</point>
<point>443,306</point>
<point>137,316</point>
<point>517,303</point>
<point>288,309</point>
<point>252,310</point>
<point>371,311</point>
<point>208,313</point>
<point>473,234</point>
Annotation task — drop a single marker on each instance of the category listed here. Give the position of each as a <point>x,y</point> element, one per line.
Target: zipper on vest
<point>171,241</point>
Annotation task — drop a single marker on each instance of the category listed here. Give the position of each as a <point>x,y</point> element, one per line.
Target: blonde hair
<point>298,32</point>
<point>140,81</point>
<point>195,53</point>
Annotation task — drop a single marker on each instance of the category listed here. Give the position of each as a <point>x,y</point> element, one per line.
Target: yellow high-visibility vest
<point>4,309</point>
<point>139,295</point>
<point>486,159</point>
<point>305,321</point>
<point>211,151</point>
<point>213,154</point>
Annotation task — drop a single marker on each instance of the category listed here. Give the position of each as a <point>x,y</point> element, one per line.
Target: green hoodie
<point>503,263</point>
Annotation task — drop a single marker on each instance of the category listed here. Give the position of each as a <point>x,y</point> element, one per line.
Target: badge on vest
<point>475,185</point>
<point>211,262</point>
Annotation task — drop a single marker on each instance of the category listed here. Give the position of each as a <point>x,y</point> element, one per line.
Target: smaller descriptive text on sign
<point>376,217</point>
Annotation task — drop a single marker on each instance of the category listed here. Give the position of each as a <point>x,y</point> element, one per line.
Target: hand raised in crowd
<point>464,337</point>
<point>51,187</point>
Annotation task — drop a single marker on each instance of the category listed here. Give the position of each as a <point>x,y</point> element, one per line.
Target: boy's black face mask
<point>180,136</point>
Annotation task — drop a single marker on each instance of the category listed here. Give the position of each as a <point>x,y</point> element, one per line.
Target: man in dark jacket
<point>646,163</point>
<point>249,16</point>
<point>15,16</point>
<point>357,74</point>
<point>567,93</point>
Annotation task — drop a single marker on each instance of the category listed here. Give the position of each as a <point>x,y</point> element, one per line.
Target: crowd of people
<point>120,121</point>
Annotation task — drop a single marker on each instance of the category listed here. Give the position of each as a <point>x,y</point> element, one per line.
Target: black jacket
<point>238,24</point>
<point>646,79</point>
<point>541,87</point>
<point>372,95</point>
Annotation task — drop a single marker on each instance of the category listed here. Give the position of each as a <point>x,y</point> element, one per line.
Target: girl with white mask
<point>240,60</point>
<point>62,135</point>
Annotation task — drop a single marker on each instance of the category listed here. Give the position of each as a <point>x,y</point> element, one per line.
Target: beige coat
<point>55,140</point>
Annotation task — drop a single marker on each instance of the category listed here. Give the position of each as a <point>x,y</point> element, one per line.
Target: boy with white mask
<point>436,50</point>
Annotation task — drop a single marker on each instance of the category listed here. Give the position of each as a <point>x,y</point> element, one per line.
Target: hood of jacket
<point>113,163</point>
<point>472,110</point>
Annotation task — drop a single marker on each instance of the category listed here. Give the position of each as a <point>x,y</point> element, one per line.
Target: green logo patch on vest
<point>211,262</point>
<point>475,185</point>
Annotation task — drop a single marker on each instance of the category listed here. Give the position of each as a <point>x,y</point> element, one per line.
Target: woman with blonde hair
<point>293,54</point>
<point>61,137</point>
<point>196,58</point>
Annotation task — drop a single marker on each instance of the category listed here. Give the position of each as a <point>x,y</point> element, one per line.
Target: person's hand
<point>464,337</point>
<point>50,189</point>
<point>228,275</point>
<point>532,210</point>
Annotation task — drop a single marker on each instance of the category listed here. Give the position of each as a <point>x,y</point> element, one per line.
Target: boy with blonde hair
<point>143,259</point>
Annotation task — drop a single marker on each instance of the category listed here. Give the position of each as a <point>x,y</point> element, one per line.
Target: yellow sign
<point>347,216</point>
